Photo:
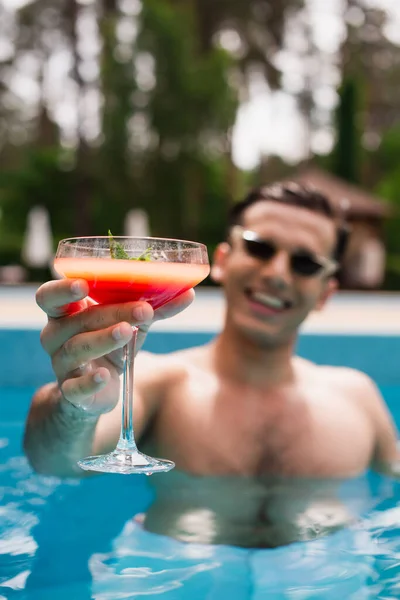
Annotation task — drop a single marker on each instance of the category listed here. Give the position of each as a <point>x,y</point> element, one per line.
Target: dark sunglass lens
<point>306,265</point>
<point>260,249</point>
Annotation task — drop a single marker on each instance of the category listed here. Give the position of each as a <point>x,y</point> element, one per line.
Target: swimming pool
<point>77,540</point>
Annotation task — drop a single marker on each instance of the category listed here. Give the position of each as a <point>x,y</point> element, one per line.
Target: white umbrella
<point>137,223</point>
<point>37,248</point>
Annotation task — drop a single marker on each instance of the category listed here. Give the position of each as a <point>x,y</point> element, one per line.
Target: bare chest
<point>207,429</point>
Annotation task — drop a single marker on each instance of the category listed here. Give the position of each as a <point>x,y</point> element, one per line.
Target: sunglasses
<point>302,262</point>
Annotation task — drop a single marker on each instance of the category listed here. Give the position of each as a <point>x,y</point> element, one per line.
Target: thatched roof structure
<point>360,204</point>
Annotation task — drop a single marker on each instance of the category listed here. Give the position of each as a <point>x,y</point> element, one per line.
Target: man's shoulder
<point>346,375</point>
<point>345,378</point>
<point>354,384</point>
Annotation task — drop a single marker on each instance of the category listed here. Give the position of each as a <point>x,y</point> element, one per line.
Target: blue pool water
<point>76,540</point>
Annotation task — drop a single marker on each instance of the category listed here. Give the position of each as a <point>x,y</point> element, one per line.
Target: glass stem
<point>127,439</point>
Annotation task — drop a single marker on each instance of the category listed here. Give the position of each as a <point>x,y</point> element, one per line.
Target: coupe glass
<point>125,269</point>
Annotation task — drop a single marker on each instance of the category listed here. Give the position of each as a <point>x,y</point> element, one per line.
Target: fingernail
<point>98,378</point>
<point>76,288</point>
<point>138,313</point>
<point>116,333</point>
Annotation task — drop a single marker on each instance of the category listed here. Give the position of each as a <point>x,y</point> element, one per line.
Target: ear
<point>330,288</point>
<point>220,256</point>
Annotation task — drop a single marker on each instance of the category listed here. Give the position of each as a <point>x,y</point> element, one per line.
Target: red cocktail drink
<point>114,281</point>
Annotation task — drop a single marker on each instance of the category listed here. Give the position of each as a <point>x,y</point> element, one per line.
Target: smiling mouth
<point>269,301</point>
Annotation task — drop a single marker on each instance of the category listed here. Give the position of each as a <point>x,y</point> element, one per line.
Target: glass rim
<point>133,237</point>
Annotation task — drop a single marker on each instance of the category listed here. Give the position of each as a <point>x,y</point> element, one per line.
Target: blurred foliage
<point>39,180</point>
<point>165,148</point>
<point>346,153</point>
<point>164,142</point>
<point>154,92</point>
<point>387,159</point>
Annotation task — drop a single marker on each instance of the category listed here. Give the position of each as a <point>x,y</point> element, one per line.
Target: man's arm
<point>386,455</point>
<point>59,433</point>
<point>79,415</point>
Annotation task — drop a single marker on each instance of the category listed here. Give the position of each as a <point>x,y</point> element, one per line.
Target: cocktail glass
<point>125,269</point>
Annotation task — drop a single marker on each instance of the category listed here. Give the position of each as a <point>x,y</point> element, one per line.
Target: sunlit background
<point>154,117</point>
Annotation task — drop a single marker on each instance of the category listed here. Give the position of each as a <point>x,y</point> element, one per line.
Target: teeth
<point>270,301</point>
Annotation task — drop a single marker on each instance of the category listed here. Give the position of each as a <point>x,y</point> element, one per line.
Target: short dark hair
<point>294,194</point>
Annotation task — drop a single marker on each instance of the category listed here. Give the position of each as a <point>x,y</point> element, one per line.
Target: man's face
<point>266,299</point>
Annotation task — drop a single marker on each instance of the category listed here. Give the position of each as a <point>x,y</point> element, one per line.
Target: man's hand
<point>84,340</point>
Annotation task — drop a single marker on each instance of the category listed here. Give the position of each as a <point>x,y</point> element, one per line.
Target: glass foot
<point>126,462</point>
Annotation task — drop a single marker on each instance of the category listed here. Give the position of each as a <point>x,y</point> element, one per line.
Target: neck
<point>242,359</point>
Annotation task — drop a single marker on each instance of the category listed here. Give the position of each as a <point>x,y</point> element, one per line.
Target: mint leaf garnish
<point>117,251</point>
<point>146,255</point>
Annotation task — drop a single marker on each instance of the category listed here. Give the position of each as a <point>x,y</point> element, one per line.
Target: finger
<point>94,318</point>
<point>85,347</point>
<point>175,306</point>
<point>57,298</point>
<point>81,391</point>
<point>170,309</point>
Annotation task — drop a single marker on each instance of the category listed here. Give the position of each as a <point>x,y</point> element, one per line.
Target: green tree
<point>386,159</point>
<point>189,112</point>
<point>346,154</point>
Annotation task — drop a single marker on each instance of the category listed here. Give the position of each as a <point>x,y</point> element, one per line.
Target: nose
<point>276,271</point>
